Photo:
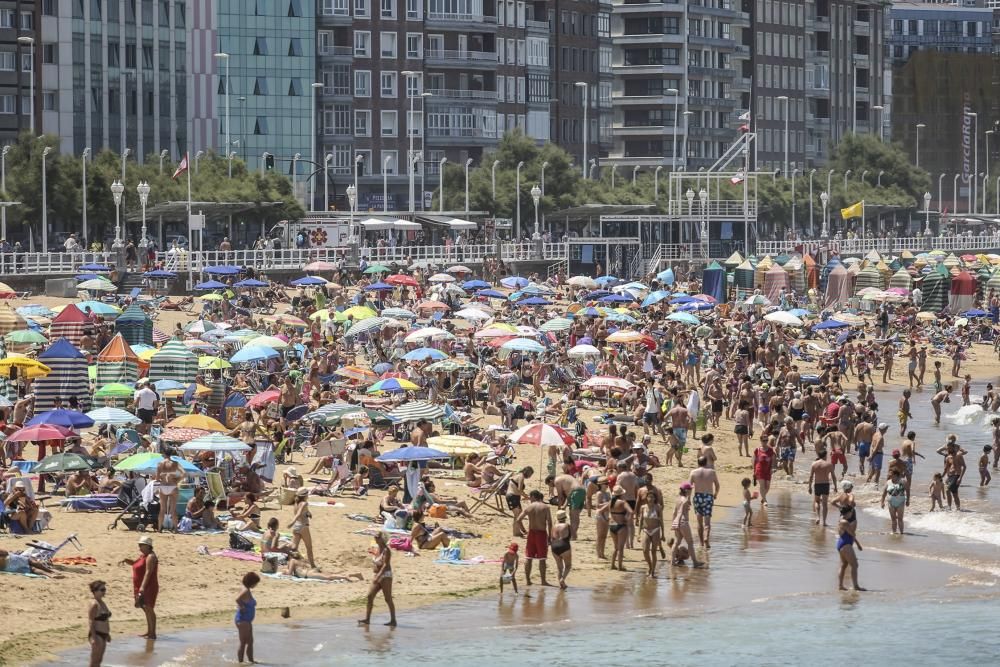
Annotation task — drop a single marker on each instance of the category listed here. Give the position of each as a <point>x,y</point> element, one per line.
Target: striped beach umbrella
<point>114,416</point>
<point>417,410</point>
<point>366,325</point>
<point>557,324</point>
<point>541,435</point>
<point>135,326</point>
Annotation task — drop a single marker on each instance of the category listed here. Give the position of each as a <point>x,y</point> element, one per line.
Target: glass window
<point>387,123</point>
<point>362,83</point>
<point>295,46</point>
<point>388,9</point>
<point>6,18</point>
<point>387,44</point>
<point>7,61</point>
<point>362,123</point>
<point>388,161</point>
<point>388,84</point>
<point>362,43</point>
<point>6,104</point>
<point>414,45</point>
<point>361,8</point>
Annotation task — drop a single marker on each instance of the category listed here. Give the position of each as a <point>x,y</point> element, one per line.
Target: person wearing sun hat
<point>146,582</point>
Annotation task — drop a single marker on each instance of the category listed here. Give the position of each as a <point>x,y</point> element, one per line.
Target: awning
<point>448,222</point>
<point>378,225</point>
<point>455,223</point>
<point>406,225</point>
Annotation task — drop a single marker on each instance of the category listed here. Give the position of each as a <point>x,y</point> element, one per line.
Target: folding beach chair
<point>493,493</point>
<point>216,489</point>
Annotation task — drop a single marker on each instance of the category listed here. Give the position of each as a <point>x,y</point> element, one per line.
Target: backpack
<point>239,543</point>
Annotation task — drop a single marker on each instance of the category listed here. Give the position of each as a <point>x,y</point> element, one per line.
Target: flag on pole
<point>853,211</point>
<point>745,115</point>
<point>181,168</point>
<point>738,178</point>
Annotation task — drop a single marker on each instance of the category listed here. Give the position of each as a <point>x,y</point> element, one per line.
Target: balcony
<point>721,102</point>
<point>338,53</point>
<point>439,136</point>
<point>697,9</point>
<point>624,8</point>
<point>537,26</point>
<point>715,42</point>
<point>711,132</point>
<point>620,130</point>
<point>327,20</point>
<point>715,72</point>
<point>472,59</point>
<point>742,50</point>
<point>648,68</point>
<point>645,38</point>
<point>821,54</point>
<point>639,100</point>
<point>458,94</point>
<point>460,21</point>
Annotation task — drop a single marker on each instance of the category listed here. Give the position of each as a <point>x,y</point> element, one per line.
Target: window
<point>147,57</point>
<point>7,61</point>
<point>362,83</point>
<point>414,45</point>
<point>364,166</point>
<point>414,123</point>
<point>295,46</point>
<point>49,7</point>
<point>294,8</point>
<point>387,87</point>
<point>336,8</point>
<point>388,9</point>
<point>362,43</point>
<point>295,88</point>
<point>112,54</point>
<point>130,56</point>
<point>25,105</point>
<point>27,20</point>
<point>388,162</point>
<point>387,123</point>
<point>414,10</point>
<point>387,44</point>
<point>413,86</point>
<point>6,18</point>
<point>323,38</point>
<point>49,99</point>
<point>6,104</point>
<point>260,125</point>
<point>260,46</point>
<point>362,123</point>
<point>501,88</point>
<point>260,85</point>
<point>361,8</point>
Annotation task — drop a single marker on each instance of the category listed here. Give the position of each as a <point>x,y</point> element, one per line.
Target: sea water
<point>768,597</point>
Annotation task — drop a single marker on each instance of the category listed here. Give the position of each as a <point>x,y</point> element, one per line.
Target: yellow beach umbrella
<point>458,445</point>
<point>213,363</point>
<point>359,313</point>
<point>210,297</point>
<point>202,422</point>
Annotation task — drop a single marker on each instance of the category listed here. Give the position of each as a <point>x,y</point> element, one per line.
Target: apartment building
<point>19,53</point>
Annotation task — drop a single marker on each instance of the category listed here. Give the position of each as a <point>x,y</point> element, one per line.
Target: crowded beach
<point>353,440</point>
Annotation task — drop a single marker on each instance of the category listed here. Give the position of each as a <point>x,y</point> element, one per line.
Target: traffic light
<point>269,162</point>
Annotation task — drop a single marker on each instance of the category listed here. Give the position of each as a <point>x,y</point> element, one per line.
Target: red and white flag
<point>181,168</point>
<point>738,178</point>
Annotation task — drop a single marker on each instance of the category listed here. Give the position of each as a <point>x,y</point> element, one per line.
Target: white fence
<point>886,245</point>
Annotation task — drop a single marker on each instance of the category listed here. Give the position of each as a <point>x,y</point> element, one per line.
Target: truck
<point>311,233</point>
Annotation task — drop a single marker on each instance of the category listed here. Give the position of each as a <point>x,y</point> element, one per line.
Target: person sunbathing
<point>23,507</point>
<point>424,537</point>
<point>80,483</point>
<point>426,498</point>
<point>250,514</point>
<point>202,513</point>
<point>19,564</point>
<point>292,479</point>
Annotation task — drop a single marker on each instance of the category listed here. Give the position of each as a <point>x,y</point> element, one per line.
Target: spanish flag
<point>853,211</point>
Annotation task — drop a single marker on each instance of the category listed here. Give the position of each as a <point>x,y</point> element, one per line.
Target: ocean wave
<point>966,525</point>
<point>966,415</point>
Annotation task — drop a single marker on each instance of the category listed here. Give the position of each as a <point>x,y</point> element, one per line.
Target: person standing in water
<point>539,529</point>
<point>706,488</point>
<point>246,611</point>
<point>382,581</point>
<point>846,542</point>
<point>821,476</point>
<point>896,491</point>
<point>98,616</point>
<point>682,526</point>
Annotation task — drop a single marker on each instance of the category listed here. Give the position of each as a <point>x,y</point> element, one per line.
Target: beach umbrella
<point>666,276</point>
<point>167,385</point>
<point>523,345</point>
<point>30,365</point>
<point>89,276</point>
<point>210,297</point>
<point>114,416</point>
<point>94,267</point>
<point>607,382</point>
<point>319,266</point>
<point>475,284</point>
<point>626,337</point>
<point>684,318</point>
<point>358,313</point>
<point>596,294</point>
<point>99,308</point>
<point>309,281</point>
<point>414,454</point>
<point>160,274</point>
<point>432,304</point>
<point>356,373</point>
<point>66,418</point>
<point>491,294</point>
<point>200,327</point>
<point>40,432</point>
<point>425,353</point>
<point>514,282</point>
<point>784,318</point>
<point>251,282</point>
<point>98,285</point>
<point>366,325</point>
<point>459,269</point>
<point>377,268</point>
<point>253,354</point>
<point>147,462</point>
<point>401,279</point>
<point>399,313</point>
<point>222,270</point>
<point>392,386</point>
<point>682,299</point>
<point>557,324</point>
<point>35,310</point>
<point>268,341</point>
<point>590,311</point>
<point>583,351</point>
<point>695,306</point>
<point>799,312</point>
<point>64,462</point>
<point>923,316</point>
<point>850,318</point>
<point>473,314</point>
<point>606,280</point>
<point>758,300</point>
<point>441,278</point>
<point>534,301</point>
<point>621,317</point>
<point>451,365</point>
<point>582,281</point>
<point>830,324</point>
<point>617,298</point>
<point>459,445</point>
<point>655,297</point>
<point>417,410</point>
<point>428,333</point>
<point>25,337</point>
<point>379,287</point>
<point>114,390</point>
<point>541,435</point>
<point>197,421</point>
<point>215,442</point>
<point>210,284</point>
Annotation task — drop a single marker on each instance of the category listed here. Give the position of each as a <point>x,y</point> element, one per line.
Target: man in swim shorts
<point>705,483</point>
<point>821,476</point>
<point>539,528</point>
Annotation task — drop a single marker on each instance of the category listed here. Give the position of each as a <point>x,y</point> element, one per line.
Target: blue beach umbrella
<point>534,301</point>
<point>523,345</point>
<point>514,282</point>
<point>606,280</point>
<point>685,318</point>
<point>222,270</point>
<point>682,299</point>
<point>491,294</point>
<point>424,353</point>
<point>666,277</point>
<point>67,418</point>
<point>597,294</point>
<point>308,280</point>
<point>98,308</point>
<point>475,284</point>
<point>590,311</point>
<point>210,284</point>
<point>160,273</point>
<point>616,298</point>
<point>415,454</point>
<point>254,353</point>
<point>695,305</point>
<point>167,385</point>
<point>655,297</point>
<point>95,267</point>
<point>379,287</point>
<point>975,312</point>
<point>830,324</point>
<point>251,282</point>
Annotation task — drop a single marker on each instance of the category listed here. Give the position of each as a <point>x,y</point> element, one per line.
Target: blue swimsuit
<point>845,539</point>
<point>245,613</point>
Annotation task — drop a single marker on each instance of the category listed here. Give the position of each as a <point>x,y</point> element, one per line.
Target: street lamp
<point>409,131</point>
<point>263,162</point>
<point>987,133</point>
<point>940,197</point>
<point>45,203</point>
<point>326,181</point>
<point>586,136</point>
<point>197,158</point>
<point>536,196</point>
<point>143,190</point>
<point>230,157</point>
<point>703,196</point>
<point>794,173</point>
<point>295,174</point>
<point>878,181</point>
<point>812,230</point>
<point>687,128</point>
<point>385,183</point>
<point>846,174</point>
<point>784,98</point>
<point>614,168</point>
<point>975,150</point>
<point>441,184</point>
<point>824,198</point>
<point>312,144</point>
<point>635,171</point>
<point>593,166</point>
<point>927,214</point>
<point>920,126</point>
<point>689,195</point>
<point>352,198</point>
<point>83,192</point>
<point>30,41</point>
<point>880,109</point>
<point>125,153</point>
<point>163,155</point>
<point>673,147</point>
<point>468,163</point>
<point>954,193</point>
<point>656,183</point>
<point>544,165</point>
<point>3,186</point>
<point>493,181</point>
<point>863,174</point>
<point>116,191</point>
<point>517,187</point>
<point>224,57</point>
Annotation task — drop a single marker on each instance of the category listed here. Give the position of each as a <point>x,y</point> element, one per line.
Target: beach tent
<point>218,396</point>
<point>734,260</point>
<point>935,288</point>
<point>906,257</point>
<point>118,363</point>
<point>713,281</point>
<point>775,280</point>
<point>810,271</point>
<point>952,261</point>
<point>867,277</point>
<point>796,276</point>
<point>69,324</point>
<point>233,408</point>
<point>983,275</point>
<point>825,273</point>
<point>174,361</point>
<point>10,320</point>
<point>993,284</point>
<point>743,275</point>
<point>68,377</point>
<point>763,266</point>
<point>885,273</point>
<point>901,279</point>
<point>837,287</point>
<point>135,326</point>
<point>963,292</point>
<point>782,259</point>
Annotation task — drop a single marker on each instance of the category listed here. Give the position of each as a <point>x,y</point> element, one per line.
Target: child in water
<point>508,567</point>
<point>937,491</point>
<point>747,497</point>
<point>984,466</point>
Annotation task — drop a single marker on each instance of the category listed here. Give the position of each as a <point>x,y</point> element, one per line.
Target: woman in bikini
<point>300,525</point>
<point>620,517</point>
<point>682,525</point>
<point>845,546</point>
<point>169,475</point>
<point>601,501</point>
<point>98,615</point>
<point>652,527</point>
<point>250,514</point>
<point>562,548</point>
<point>424,537</point>
<point>382,565</point>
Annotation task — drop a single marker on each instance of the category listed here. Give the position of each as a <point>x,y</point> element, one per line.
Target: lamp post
<point>997,190</point>
<point>125,153</point>
<point>224,57</point>
<point>409,131</point>
<point>536,196</point>
<point>987,133</point>
<point>829,178</point>
<point>635,172</point>
<point>673,148</point>
<point>703,196</point>
<point>824,198</point>
<point>954,194</point>
<point>312,143</point>
<point>117,188</point>
<point>784,98</point>
<point>263,162</point>
<point>45,203</point>
<point>243,125</point>
<point>441,183</point>
<point>878,181</point>
<point>986,184</point>
<point>385,183</point>
<point>83,194</point>
<point>163,155</point>
<point>614,168</point>
<point>586,135</point>
<point>919,127</point>
<point>326,181</point>
<point>3,186</point>
<point>517,188</point>
<point>880,109</point>
<point>352,239</point>
<point>812,230</point>
<point>30,41</point>
<point>656,183</point>
<point>493,181</point>
<point>544,165</point>
<point>229,158</point>
<point>687,127</point>
<point>358,159</point>
<point>940,199</point>
<point>863,174</point>
<point>468,163</point>
<point>927,214</point>
<point>143,190</point>
<point>197,159</point>
<point>794,173</point>
<point>975,166</point>
<point>593,166</point>
<point>689,195</point>
<point>846,174</point>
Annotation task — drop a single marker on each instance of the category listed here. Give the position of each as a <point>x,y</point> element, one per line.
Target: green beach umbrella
<point>25,336</point>
<point>377,268</point>
<point>114,390</point>
<point>65,462</point>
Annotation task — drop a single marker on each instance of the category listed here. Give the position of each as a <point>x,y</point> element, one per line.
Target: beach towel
<point>24,574</point>
<point>362,517</point>
<point>285,577</point>
<point>478,560</point>
<point>92,503</point>
<point>401,543</point>
<point>238,555</point>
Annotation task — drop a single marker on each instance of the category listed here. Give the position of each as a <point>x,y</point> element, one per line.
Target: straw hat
<point>147,540</point>
<point>561,515</point>
<point>618,491</point>
<point>292,472</point>
<point>302,493</point>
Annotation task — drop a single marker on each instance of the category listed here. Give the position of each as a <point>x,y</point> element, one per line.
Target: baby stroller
<point>136,515</point>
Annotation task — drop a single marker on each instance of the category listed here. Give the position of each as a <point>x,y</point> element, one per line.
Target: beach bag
<point>185,525</point>
<point>401,543</point>
<point>438,512</point>
<point>239,543</point>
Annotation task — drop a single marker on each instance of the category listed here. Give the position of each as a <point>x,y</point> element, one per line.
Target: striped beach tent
<point>825,273</point>
<point>868,277</point>
<point>796,276</point>
<point>993,284</point>
<point>174,361</point>
<point>901,279</point>
<point>68,377</point>
<point>734,260</point>
<point>10,320</point>
<point>763,266</point>
<point>417,410</point>
<point>963,292</point>
<point>838,287</point>
<point>117,362</point>
<point>811,271</point>
<point>135,326</point>
<point>982,278</point>
<point>69,324</point>
<point>775,280</point>
<point>935,288</point>
<point>713,281</point>
<point>743,275</point>
<point>885,272</point>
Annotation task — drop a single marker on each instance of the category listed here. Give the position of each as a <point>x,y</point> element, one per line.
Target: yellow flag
<point>853,211</point>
